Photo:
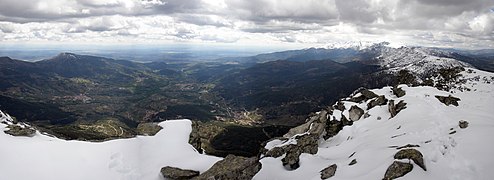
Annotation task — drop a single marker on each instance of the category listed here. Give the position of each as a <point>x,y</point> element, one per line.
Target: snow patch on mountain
<point>357,45</point>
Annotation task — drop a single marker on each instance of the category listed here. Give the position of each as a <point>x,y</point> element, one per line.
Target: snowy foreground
<point>460,155</point>
<point>464,154</point>
<point>140,158</point>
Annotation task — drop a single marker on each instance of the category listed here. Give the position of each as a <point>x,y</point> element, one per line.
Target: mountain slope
<point>449,152</point>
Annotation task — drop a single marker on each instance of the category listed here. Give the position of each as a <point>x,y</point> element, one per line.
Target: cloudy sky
<point>444,23</point>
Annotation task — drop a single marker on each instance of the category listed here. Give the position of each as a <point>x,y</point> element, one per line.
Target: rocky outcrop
<point>177,173</point>
<point>328,171</point>
<point>306,143</point>
<point>379,101</point>
<point>232,167</point>
<point>148,129</point>
<point>412,154</point>
<point>355,113</point>
<point>397,169</point>
<point>20,130</point>
<point>448,100</point>
<point>463,124</point>
<point>395,109</point>
<point>202,134</point>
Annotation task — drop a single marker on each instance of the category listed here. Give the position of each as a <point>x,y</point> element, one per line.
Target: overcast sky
<point>444,23</point>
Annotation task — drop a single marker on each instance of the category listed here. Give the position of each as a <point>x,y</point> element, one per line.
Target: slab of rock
<point>448,100</point>
<point>328,171</point>
<point>177,173</point>
<point>412,154</point>
<point>355,113</point>
<point>397,169</point>
<point>232,167</point>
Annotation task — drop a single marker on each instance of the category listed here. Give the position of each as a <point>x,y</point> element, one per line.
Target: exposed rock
<point>292,157</point>
<point>301,128</point>
<point>148,129</point>
<point>412,154</point>
<point>397,169</point>
<point>395,109</point>
<point>202,134</point>
<point>463,124</point>
<point>379,101</point>
<point>339,105</point>
<point>447,100</point>
<point>354,161</point>
<point>328,171</point>
<point>305,144</point>
<point>355,113</point>
<point>398,91</point>
<point>20,130</point>
<point>334,126</point>
<point>276,152</point>
<point>177,173</point>
<point>232,167</point>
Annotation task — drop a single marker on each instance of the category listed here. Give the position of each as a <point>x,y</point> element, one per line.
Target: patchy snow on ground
<point>139,158</point>
<point>449,152</point>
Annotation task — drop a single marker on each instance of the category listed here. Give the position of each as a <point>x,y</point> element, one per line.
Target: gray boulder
<point>397,169</point>
<point>328,171</point>
<point>232,167</point>
<point>355,113</point>
<point>177,173</point>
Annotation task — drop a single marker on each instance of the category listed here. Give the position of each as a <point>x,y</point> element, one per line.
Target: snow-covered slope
<point>140,158</point>
<point>449,152</point>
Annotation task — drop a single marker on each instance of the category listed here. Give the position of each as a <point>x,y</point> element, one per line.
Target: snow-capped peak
<point>418,60</point>
<point>357,45</point>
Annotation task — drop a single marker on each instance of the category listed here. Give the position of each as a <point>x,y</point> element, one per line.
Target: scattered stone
<point>407,146</point>
<point>328,172</point>
<point>412,154</point>
<point>18,130</point>
<point>366,115</point>
<point>397,169</point>
<point>398,91</point>
<point>448,100</point>
<point>463,124</point>
<point>354,161</point>
<point>148,129</point>
<point>355,113</point>
<point>233,167</point>
<point>177,173</point>
<point>379,101</point>
<point>452,132</point>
